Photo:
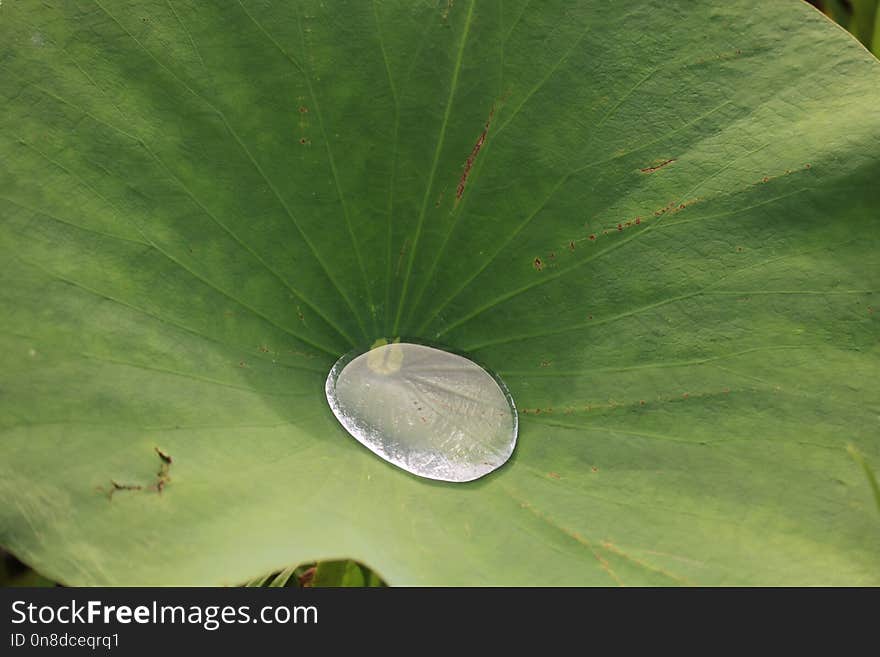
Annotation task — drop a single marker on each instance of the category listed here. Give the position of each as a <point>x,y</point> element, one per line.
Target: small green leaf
<point>859,458</point>
<point>864,20</point>
<point>344,573</point>
<point>875,38</point>
<point>284,578</point>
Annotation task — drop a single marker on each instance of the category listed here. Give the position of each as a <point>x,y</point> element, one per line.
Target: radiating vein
<point>67,222</point>
<point>204,209</point>
<point>253,161</point>
<point>537,87</point>
<point>332,162</point>
<point>563,271</point>
<point>459,210</point>
<point>328,350</point>
<point>186,31</point>
<point>194,377</point>
<point>441,138</point>
<point>707,289</point>
<point>392,167</point>
<point>551,373</point>
<point>554,189</point>
<point>569,533</point>
<point>164,320</point>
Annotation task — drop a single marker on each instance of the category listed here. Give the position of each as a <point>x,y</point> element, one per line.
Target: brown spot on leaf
<point>163,476</point>
<point>657,166</point>
<point>116,487</point>
<point>469,162</point>
<point>166,458</point>
<point>538,264</point>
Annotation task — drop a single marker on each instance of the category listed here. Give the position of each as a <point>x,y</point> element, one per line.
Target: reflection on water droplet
<point>433,413</point>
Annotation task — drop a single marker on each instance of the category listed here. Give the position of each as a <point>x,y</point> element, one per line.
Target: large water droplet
<point>428,411</point>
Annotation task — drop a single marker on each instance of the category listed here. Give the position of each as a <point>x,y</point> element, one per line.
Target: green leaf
<point>839,11</point>
<point>864,17</point>
<point>283,578</point>
<point>344,572</point>
<point>875,37</point>
<point>859,458</point>
<point>657,221</point>
<point>259,582</point>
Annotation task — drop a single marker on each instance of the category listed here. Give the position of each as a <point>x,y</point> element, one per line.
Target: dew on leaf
<point>430,412</point>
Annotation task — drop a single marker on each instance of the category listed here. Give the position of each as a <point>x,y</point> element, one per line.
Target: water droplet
<point>433,413</point>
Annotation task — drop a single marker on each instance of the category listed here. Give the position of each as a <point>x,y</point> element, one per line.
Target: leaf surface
<point>656,221</point>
